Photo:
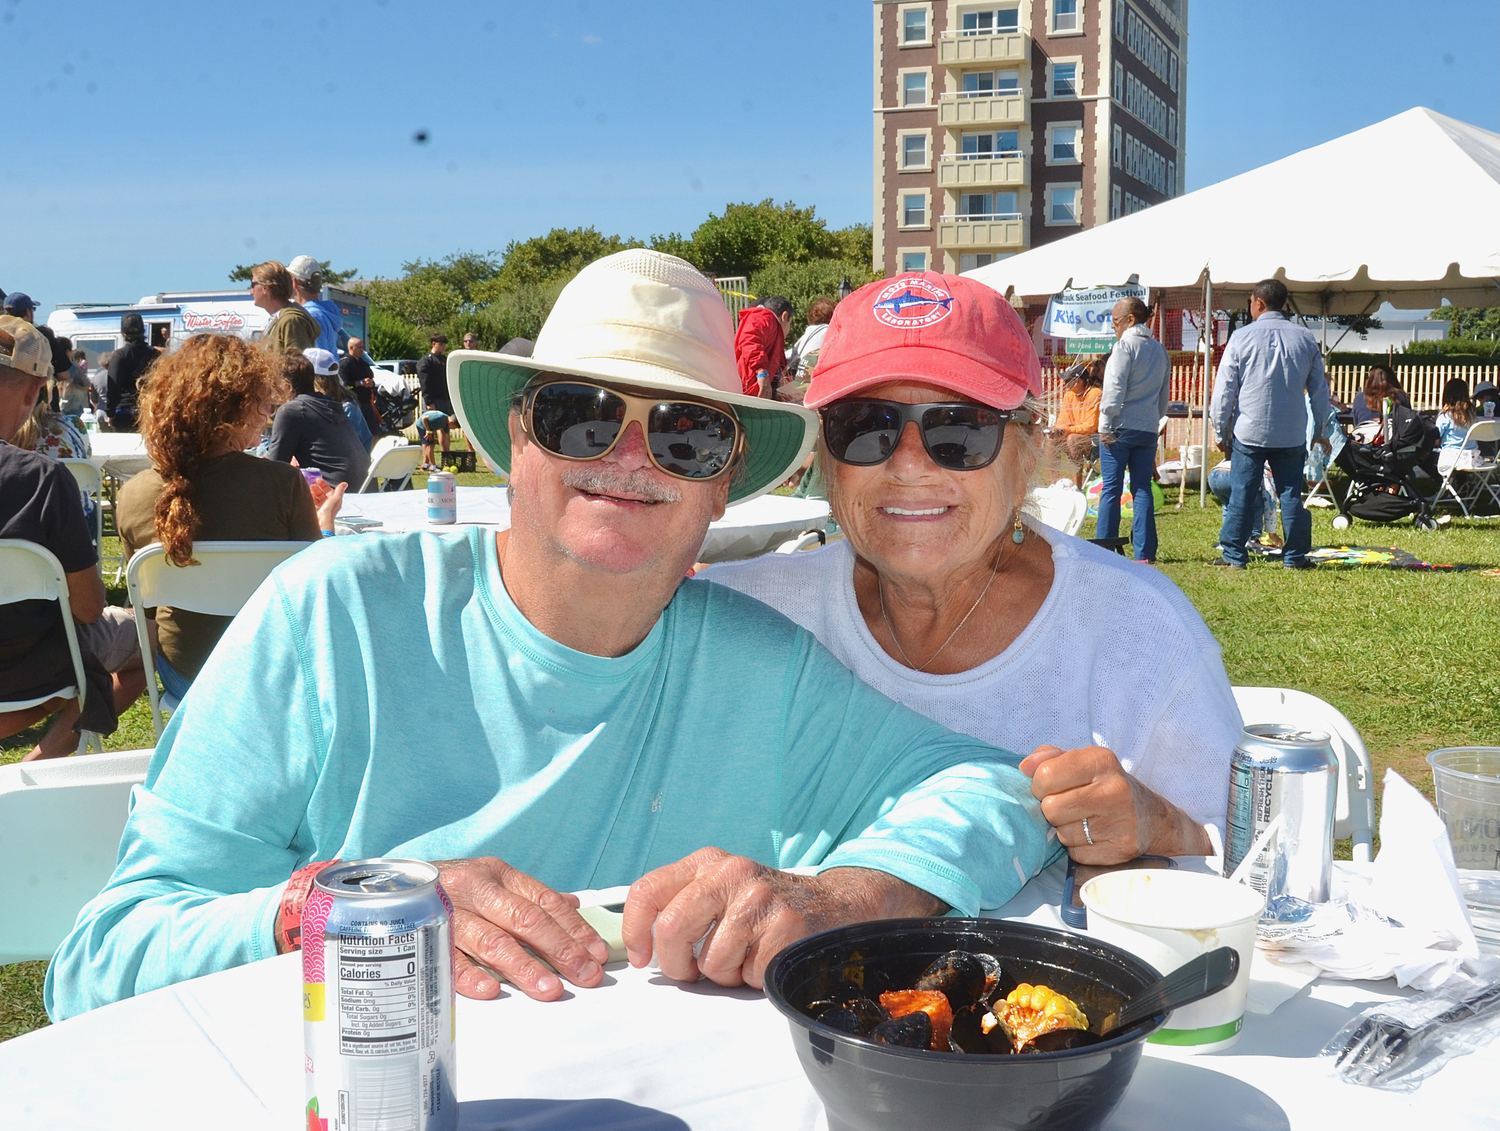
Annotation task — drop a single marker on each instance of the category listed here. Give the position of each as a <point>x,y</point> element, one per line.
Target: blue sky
<point>166,142</point>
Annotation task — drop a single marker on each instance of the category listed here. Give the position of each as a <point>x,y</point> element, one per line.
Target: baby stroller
<point>397,409</point>
<point>1382,476</point>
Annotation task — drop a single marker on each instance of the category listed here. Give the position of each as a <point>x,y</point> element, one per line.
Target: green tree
<point>241,273</point>
<point>540,261</point>
<point>391,338</point>
<point>803,282</point>
<point>747,237</point>
<point>857,242</point>
<point>463,271</point>
<point>1470,323</point>
<point>420,300</point>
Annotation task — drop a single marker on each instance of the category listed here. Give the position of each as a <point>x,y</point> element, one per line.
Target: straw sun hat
<point>647,320</point>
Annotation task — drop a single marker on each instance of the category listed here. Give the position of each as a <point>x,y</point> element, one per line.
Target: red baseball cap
<point>944,330</point>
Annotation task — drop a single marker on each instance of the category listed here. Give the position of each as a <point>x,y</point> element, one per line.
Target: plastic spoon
<point>1193,981</point>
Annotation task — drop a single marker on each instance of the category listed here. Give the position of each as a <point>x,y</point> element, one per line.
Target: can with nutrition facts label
<point>377,999</point>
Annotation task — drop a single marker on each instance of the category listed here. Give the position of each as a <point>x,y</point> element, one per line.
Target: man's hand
<point>1125,818</point>
<point>1224,446</point>
<point>744,913</point>
<point>498,911</point>
<point>1325,443</point>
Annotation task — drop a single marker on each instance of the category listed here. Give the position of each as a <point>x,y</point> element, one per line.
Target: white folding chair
<point>60,826</point>
<point>1481,475</point>
<point>803,541</point>
<point>391,459</point>
<point>228,573</point>
<point>29,572</point>
<point>1061,506</point>
<point>1354,811</point>
<point>91,483</point>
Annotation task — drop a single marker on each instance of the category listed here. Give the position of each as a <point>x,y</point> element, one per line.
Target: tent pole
<point>1208,382</point>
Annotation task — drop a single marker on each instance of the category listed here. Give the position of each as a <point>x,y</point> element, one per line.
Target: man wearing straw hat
<point>603,720</point>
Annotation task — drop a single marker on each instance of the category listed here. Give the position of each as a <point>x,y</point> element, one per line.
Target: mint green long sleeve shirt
<point>382,696</point>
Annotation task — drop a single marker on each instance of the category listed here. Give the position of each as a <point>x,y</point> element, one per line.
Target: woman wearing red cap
<point>947,598</point>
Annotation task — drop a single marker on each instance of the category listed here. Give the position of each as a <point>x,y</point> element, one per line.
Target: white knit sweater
<point>1116,656</point>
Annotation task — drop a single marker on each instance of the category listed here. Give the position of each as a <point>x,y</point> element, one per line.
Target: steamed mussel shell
<point>914,1031</point>
<point>964,978</point>
<point>968,1036</point>
<point>857,1016</point>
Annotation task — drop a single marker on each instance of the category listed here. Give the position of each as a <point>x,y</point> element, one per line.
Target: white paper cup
<point>1168,917</point>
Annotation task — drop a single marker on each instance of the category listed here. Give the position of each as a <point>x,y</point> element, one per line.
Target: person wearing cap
<point>307,286</point>
<point>19,304</point>
<point>291,327</point>
<point>311,428</point>
<point>593,701</point>
<point>39,503</point>
<point>437,406</point>
<point>949,598</point>
<point>127,366</point>
<point>328,381</point>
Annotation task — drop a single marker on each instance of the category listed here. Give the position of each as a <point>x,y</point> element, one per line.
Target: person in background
<point>291,327</point>
<point>1453,424</point>
<point>127,365</point>
<point>359,379</point>
<point>19,304</point>
<point>437,411</point>
<point>1271,377</point>
<point>1380,382</point>
<point>760,344</point>
<point>1261,504</point>
<point>1131,405</point>
<point>326,380</point>
<point>313,430</point>
<point>1077,423</point>
<point>73,394</point>
<point>307,285</point>
<point>52,434</point>
<point>199,409</point>
<point>99,385</point>
<point>39,502</point>
<point>802,358</point>
<point>471,341</point>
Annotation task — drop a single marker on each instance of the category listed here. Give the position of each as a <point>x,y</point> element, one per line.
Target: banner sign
<point>1088,313</point>
<point>196,321</point>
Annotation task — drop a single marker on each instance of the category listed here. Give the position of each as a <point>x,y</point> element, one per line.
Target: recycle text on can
<point>1282,771</point>
<point>377,999</point>
<point>442,498</point>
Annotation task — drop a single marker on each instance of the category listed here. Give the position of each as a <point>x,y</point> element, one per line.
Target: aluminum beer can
<point>377,999</point>
<point>442,498</point>
<point>1280,770</point>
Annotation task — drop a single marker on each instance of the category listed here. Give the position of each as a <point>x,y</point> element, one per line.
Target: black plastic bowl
<point>871,1087</point>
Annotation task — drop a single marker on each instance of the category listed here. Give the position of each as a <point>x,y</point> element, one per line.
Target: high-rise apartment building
<point>1004,125</point>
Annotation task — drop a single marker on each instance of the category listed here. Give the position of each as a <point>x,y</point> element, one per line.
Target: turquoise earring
<point>1018,535</point>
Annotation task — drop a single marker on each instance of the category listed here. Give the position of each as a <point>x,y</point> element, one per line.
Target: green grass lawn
<point>1411,658</point>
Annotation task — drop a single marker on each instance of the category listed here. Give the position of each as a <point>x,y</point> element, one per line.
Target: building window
<point>1117,148</point>
<point>1065,82</point>
<point>914,27</point>
<point>992,21</point>
<point>914,88</point>
<point>1062,204</point>
<point>988,206</point>
<point>983,84</point>
<point>1172,71</point>
<point>979,146</point>
<point>1171,178</point>
<point>1065,16</point>
<point>1172,126</point>
<point>913,261</point>
<point>914,210</point>
<point>1062,143</point>
<point>1120,83</point>
<point>914,151</point>
<point>1119,19</point>
<point>1114,203</point>
<point>973,260</point>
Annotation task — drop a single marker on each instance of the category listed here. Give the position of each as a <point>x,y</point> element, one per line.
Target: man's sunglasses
<point>581,421</point>
<point>958,435</point>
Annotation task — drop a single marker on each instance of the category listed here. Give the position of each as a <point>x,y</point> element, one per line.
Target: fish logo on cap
<point>910,303</point>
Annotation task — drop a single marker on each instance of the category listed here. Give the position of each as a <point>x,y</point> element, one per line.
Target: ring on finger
<point>1086,834</point>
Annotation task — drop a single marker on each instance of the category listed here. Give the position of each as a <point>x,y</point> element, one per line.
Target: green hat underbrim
<point>482,387</point>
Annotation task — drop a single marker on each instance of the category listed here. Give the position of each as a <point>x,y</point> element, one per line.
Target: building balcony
<point>973,170</point>
<point>957,49</point>
<point>1002,232</point>
<point>967,108</point>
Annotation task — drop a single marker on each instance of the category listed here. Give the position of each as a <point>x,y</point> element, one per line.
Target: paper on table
<point>1408,922</point>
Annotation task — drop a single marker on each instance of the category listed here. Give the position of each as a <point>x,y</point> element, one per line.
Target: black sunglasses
<point>958,435</point>
<point>581,421</point>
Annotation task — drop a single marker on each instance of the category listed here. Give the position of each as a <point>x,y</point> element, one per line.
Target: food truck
<point>173,316</point>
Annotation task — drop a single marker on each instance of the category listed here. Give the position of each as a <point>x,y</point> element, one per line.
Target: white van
<point>173,316</point>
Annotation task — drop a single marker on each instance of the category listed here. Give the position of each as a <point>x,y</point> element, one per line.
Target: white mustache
<point>599,478</point>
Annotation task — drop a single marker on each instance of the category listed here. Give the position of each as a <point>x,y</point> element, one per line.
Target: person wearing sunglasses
<point>605,719</point>
<point>948,598</point>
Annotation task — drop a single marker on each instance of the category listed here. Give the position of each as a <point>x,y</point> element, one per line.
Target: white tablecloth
<point>745,530</point>
<point>645,1053</point>
<point>120,454</point>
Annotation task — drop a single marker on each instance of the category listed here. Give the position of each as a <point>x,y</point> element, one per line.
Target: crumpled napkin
<point>1406,921</point>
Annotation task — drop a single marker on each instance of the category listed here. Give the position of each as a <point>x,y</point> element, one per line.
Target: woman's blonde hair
<point>41,421</point>
<point>192,402</point>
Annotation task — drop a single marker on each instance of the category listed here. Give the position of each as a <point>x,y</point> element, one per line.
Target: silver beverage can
<point>1282,771</point>
<point>442,498</point>
<point>377,999</point>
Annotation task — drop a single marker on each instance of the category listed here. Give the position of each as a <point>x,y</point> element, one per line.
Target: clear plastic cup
<point>1466,780</point>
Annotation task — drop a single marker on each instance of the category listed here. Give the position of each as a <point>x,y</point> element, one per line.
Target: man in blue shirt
<point>603,721</point>
<point>1269,378</point>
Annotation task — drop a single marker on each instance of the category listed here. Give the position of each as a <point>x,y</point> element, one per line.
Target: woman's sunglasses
<point>582,421</point>
<point>958,435</point>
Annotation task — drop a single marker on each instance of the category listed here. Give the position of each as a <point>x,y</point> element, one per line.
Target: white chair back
<point>392,458</point>
<point>29,572</point>
<point>60,826</point>
<point>1481,475</point>
<point>1061,506</point>
<point>91,483</point>
<point>226,576</point>
<point>1354,811</point>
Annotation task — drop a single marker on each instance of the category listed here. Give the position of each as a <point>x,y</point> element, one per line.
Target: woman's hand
<point>1125,819</point>
<point>328,509</point>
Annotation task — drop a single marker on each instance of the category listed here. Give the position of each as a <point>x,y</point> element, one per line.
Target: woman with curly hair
<point>199,409</point>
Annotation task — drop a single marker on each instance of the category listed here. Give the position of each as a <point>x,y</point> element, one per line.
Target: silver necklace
<point>880,589</point>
